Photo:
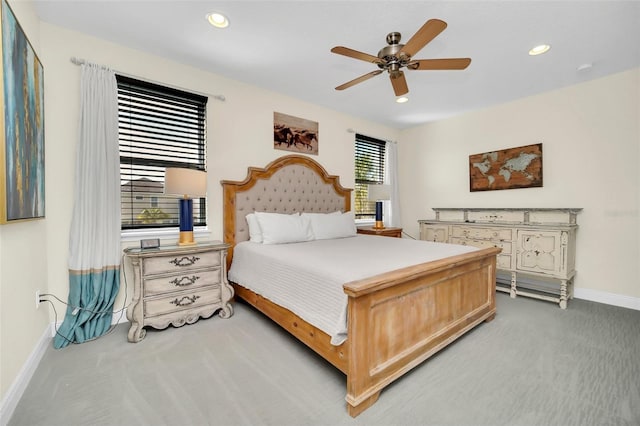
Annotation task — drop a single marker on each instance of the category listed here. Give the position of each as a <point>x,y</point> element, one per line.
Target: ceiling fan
<point>395,56</point>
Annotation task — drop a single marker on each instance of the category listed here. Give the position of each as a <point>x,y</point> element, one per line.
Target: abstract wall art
<point>22,185</point>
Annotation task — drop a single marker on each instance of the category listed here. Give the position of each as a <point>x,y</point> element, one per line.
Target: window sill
<point>162,234</point>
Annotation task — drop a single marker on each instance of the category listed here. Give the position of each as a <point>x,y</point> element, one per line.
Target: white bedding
<point>307,277</point>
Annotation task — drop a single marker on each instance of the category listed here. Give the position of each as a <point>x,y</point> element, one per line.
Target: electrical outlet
<point>37,299</point>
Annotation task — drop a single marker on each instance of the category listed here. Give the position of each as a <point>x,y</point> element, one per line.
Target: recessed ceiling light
<point>218,20</point>
<point>539,50</point>
<point>402,99</point>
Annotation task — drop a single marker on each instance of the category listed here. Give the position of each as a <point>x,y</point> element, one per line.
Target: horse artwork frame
<point>295,134</point>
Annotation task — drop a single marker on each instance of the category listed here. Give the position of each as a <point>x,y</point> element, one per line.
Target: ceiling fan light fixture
<point>395,56</point>
<point>218,20</point>
<point>539,50</point>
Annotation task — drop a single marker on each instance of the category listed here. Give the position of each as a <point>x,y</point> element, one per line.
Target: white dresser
<point>538,245</point>
<point>177,285</point>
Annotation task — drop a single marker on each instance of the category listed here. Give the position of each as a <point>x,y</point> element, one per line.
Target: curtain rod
<point>80,61</point>
<point>350,130</point>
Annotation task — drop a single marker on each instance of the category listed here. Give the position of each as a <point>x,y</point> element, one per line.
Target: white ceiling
<point>285,46</point>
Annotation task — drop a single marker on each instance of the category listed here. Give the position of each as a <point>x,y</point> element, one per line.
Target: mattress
<point>307,278</point>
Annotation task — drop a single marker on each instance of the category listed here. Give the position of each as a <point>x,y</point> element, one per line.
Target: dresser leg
<point>226,311</point>
<point>513,285</point>
<point>563,294</point>
<point>226,294</point>
<point>136,333</point>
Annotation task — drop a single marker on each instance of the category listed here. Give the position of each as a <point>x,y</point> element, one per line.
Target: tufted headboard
<point>289,184</point>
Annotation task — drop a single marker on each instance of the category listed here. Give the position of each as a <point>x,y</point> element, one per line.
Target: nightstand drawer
<point>482,233</point>
<point>186,281</point>
<point>180,262</point>
<point>188,300</point>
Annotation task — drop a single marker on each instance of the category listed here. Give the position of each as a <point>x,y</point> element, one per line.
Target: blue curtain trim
<point>93,291</point>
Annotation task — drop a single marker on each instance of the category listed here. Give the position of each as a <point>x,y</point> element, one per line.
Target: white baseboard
<point>19,385</point>
<point>607,298</point>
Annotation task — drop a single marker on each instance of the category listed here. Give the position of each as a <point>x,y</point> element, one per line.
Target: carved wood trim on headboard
<point>231,189</point>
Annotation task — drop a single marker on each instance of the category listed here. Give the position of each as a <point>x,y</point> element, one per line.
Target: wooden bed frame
<point>396,320</point>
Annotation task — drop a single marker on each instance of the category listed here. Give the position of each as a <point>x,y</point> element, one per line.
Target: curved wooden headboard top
<point>289,184</point>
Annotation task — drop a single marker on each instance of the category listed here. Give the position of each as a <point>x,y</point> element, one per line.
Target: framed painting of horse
<point>295,134</point>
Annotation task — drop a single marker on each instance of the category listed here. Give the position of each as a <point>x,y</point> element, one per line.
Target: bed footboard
<point>399,319</point>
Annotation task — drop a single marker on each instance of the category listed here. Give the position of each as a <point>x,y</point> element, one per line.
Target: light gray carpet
<point>535,364</point>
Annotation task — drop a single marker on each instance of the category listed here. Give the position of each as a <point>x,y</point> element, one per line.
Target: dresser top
<point>511,209</point>
<point>169,249</point>
<point>509,215</point>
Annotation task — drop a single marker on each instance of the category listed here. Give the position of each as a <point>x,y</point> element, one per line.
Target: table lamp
<point>189,184</point>
<point>378,193</point>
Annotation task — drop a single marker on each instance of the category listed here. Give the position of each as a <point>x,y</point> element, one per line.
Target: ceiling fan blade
<point>399,83</point>
<point>358,80</point>
<point>439,64</point>
<point>428,32</point>
<point>341,50</point>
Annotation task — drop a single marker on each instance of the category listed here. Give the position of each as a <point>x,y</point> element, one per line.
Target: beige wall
<point>591,140</point>
<point>23,261</point>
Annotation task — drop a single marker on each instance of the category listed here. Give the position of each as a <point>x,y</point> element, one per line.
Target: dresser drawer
<point>180,301</point>
<point>438,234</point>
<point>187,280</point>
<point>542,252</point>
<point>503,261</point>
<point>504,245</point>
<point>180,262</point>
<point>482,233</point>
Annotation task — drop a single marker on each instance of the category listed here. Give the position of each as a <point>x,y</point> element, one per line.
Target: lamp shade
<point>188,183</point>
<point>378,192</point>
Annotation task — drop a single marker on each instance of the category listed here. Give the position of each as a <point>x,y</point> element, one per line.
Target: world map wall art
<point>511,168</point>
<point>22,113</point>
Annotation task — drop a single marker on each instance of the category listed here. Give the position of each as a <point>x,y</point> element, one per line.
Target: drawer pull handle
<point>185,261</point>
<point>184,281</point>
<point>185,300</point>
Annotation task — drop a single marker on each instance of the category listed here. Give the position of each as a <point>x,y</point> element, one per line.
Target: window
<point>159,127</point>
<point>369,163</point>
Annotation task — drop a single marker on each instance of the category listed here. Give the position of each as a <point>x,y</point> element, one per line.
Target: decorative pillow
<point>280,228</point>
<point>255,233</point>
<point>332,225</point>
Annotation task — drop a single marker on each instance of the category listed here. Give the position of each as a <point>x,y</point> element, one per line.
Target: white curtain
<point>392,212</point>
<point>94,240</point>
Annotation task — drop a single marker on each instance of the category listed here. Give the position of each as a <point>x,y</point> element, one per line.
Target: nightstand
<point>177,285</point>
<point>385,232</point>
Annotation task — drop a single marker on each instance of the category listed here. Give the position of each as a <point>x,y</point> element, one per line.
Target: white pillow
<point>332,225</point>
<point>280,228</point>
<point>255,233</point>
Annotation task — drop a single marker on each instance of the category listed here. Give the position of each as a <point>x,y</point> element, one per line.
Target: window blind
<point>159,127</point>
<point>369,169</point>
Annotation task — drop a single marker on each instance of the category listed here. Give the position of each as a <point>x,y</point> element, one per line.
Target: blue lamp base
<point>186,222</point>
<point>379,223</point>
